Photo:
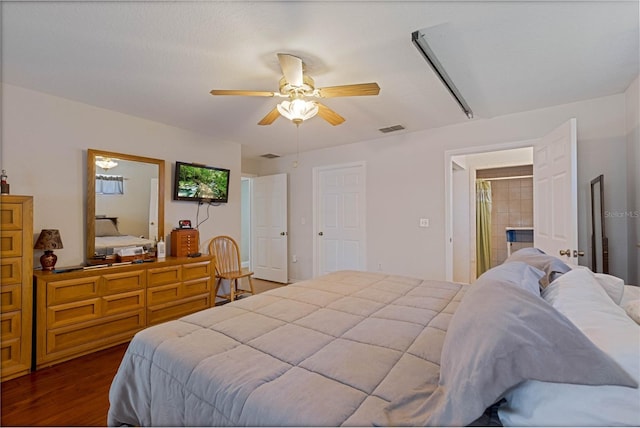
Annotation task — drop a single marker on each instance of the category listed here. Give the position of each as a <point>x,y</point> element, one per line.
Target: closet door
<point>269,245</point>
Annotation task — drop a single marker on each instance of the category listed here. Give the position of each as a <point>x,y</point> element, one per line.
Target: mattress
<point>360,349</point>
<point>325,352</point>
<point>108,244</point>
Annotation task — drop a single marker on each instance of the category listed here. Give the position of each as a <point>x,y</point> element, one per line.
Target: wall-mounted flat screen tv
<point>201,183</point>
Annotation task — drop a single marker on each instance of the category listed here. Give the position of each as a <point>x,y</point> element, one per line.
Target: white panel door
<point>269,226</point>
<point>153,210</point>
<point>555,192</point>
<point>339,218</point>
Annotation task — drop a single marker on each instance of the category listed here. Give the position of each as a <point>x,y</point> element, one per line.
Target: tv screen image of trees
<point>202,183</point>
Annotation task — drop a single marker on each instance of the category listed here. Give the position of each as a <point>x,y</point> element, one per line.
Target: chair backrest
<point>226,254</point>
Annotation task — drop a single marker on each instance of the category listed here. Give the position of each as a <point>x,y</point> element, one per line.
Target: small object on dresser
<point>3,183</point>
<point>184,242</point>
<point>161,250</point>
<point>48,241</point>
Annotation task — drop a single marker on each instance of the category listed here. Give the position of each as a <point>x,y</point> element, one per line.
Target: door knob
<point>566,252</point>
<point>320,234</point>
<point>577,253</point>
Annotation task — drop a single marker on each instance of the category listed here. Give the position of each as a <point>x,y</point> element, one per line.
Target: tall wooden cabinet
<point>16,298</point>
<point>83,311</point>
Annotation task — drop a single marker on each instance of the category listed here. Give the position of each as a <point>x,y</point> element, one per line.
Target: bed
<point>359,349</point>
<point>109,239</point>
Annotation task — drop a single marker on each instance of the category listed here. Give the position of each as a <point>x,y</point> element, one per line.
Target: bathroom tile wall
<point>512,206</point>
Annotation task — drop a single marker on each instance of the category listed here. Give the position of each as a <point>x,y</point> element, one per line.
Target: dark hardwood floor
<point>73,393</point>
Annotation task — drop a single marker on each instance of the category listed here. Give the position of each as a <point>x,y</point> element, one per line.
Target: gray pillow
<point>518,274</point>
<point>552,266</point>
<point>106,227</point>
<point>499,336</point>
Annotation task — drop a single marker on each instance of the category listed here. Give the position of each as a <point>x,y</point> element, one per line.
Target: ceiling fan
<point>296,87</point>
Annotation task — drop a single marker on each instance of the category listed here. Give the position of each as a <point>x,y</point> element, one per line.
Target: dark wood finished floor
<point>73,393</point>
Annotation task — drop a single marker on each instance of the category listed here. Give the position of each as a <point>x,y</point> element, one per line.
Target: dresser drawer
<point>70,290</point>
<point>72,313</point>
<point>196,270</point>
<point>124,281</point>
<point>165,275</point>
<point>11,216</point>
<point>163,293</point>
<point>10,353</point>
<point>173,310</point>
<point>10,298</point>
<point>11,270</point>
<point>10,325</point>
<point>196,286</point>
<point>90,335</point>
<point>123,302</point>
<point>10,243</point>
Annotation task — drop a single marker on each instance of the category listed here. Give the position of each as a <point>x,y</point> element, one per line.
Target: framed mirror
<point>599,241</point>
<point>125,203</point>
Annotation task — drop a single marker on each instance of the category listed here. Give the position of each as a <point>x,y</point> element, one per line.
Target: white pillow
<point>613,285</point>
<point>580,297</point>
<point>632,309</point>
<point>631,292</point>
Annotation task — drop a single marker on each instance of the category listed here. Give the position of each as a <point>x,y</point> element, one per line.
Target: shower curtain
<point>483,226</point>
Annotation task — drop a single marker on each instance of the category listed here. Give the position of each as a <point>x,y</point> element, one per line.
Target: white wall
<point>44,150</point>
<point>461,201</point>
<point>632,97</point>
<point>405,181</point>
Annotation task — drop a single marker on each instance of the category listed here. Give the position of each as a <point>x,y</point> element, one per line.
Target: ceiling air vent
<point>391,129</point>
<point>270,156</point>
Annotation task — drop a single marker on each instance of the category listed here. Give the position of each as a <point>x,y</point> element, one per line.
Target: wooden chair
<point>226,256</point>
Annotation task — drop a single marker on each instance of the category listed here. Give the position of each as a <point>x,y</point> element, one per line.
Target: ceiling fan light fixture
<point>298,110</point>
<point>105,163</point>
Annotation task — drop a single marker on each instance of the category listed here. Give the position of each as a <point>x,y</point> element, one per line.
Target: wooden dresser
<point>184,242</point>
<point>83,311</point>
<point>16,298</point>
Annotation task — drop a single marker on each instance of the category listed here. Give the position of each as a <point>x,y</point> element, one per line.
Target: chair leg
<point>233,286</point>
<point>217,287</point>
<point>250,284</point>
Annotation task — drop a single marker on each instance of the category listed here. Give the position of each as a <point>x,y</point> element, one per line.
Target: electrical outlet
<point>424,222</point>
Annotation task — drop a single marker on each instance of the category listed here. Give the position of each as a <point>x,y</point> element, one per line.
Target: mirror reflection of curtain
<point>483,226</point>
<point>109,184</point>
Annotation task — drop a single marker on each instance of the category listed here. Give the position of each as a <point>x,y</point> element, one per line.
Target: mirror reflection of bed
<point>109,239</point>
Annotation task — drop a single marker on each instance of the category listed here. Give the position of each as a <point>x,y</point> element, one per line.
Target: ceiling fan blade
<point>291,68</point>
<point>349,90</point>
<point>270,117</point>
<point>329,115</point>
<point>242,92</point>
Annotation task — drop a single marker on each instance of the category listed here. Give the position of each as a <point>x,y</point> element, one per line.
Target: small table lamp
<point>48,241</point>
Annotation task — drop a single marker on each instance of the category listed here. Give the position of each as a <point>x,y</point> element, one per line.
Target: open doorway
<point>555,193</point>
<point>511,164</point>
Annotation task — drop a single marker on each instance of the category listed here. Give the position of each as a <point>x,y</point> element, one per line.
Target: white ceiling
<point>159,60</point>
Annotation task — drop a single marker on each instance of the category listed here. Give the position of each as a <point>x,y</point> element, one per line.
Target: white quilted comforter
<point>331,351</point>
